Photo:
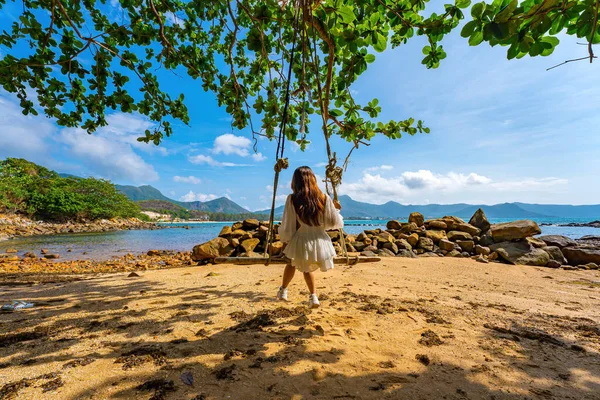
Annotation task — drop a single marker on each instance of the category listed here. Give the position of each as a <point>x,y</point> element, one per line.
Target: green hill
<point>139,193</point>
<point>220,205</point>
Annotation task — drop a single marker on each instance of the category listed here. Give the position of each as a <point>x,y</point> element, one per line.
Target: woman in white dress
<point>307,216</point>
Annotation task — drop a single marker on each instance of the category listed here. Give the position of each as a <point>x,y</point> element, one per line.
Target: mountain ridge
<point>389,210</point>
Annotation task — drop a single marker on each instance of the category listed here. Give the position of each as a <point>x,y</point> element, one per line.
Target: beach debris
<point>187,378</point>
<point>11,390</point>
<point>142,355</point>
<point>386,364</point>
<point>16,305</point>
<point>423,359</point>
<point>225,372</point>
<point>430,338</point>
<point>51,256</point>
<point>80,362</point>
<point>160,387</point>
<point>527,333</point>
<point>52,384</point>
<point>133,275</point>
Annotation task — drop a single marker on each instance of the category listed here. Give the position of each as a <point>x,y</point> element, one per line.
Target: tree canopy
<point>84,58</point>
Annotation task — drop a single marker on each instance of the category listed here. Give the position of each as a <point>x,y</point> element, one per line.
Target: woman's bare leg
<point>288,275</point>
<point>309,277</point>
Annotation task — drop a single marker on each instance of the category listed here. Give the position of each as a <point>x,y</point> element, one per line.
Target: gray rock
<point>391,246</point>
<point>368,254</point>
<point>403,244</point>
<point>486,239</point>
<point>514,230</point>
<point>555,254</point>
<point>553,264</point>
<point>480,221</point>
<point>558,241</point>
<point>454,253</point>
<point>578,255</point>
<point>406,253</point>
<point>482,250</point>
<point>385,253</point>
<point>480,258</point>
<point>521,253</point>
<point>470,229</point>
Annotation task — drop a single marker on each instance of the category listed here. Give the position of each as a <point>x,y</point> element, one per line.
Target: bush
<point>35,191</point>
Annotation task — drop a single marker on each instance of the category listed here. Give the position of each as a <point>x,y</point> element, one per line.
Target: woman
<point>307,216</point>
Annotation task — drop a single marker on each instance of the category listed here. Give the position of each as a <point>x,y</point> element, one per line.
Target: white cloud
<point>379,168</point>
<point>109,158</point>
<point>258,157</point>
<point>414,186</point>
<point>173,19</point>
<point>191,196</point>
<point>187,179</point>
<point>321,165</point>
<point>230,144</point>
<point>208,160</point>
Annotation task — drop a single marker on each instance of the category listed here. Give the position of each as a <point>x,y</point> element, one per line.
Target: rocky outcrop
<point>416,218</point>
<point>479,220</point>
<point>521,253</point>
<point>580,256</point>
<point>558,241</point>
<point>15,226</point>
<point>514,230</point>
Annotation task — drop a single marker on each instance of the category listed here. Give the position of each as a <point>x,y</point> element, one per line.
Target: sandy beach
<point>427,328</point>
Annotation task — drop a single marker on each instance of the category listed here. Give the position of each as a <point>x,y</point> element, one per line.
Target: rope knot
<point>281,164</point>
<point>334,173</point>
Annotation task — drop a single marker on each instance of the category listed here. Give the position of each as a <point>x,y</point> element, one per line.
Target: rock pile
<point>14,225</point>
<point>510,242</point>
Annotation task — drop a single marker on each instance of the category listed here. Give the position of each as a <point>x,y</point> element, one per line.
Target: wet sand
<point>429,328</point>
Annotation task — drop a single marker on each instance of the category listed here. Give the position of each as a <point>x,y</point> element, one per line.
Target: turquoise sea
<point>183,236</point>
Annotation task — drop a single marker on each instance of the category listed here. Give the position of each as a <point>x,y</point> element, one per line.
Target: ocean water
<point>184,236</point>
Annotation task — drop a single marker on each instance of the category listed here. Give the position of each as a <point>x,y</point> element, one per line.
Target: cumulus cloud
<point>230,144</point>
<point>111,159</point>
<point>421,184</point>
<point>191,196</point>
<point>187,179</point>
<point>258,157</point>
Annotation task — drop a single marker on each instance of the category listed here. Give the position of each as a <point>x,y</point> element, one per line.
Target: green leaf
<point>477,10</point>
<point>506,12</point>
<point>347,14</point>
<point>381,42</point>
<point>476,39</point>
<point>370,58</point>
<point>336,113</point>
<point>463,3</point>
<point>468,29</point>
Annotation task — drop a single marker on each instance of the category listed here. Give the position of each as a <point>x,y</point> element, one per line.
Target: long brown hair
<point>307,198</point>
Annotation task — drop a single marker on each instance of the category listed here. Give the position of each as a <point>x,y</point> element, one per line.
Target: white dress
<point>310,247</point>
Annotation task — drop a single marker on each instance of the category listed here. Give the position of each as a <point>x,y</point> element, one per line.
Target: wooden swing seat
<point>284,260</point>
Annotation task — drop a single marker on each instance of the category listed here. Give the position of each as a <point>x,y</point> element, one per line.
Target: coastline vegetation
<point>37,192</point>
<point>178,212</point>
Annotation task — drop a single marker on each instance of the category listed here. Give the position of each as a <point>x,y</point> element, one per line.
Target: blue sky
<point>500,131</point>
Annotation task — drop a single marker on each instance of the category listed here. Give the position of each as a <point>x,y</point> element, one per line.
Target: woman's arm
<point>288,221</point>
<point>333,219</point>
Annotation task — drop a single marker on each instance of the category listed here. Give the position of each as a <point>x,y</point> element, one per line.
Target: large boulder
<point>425,244</point>
<point>558,241</point>
<point>579,256</point>
<point>395,225</point>
<point>276,248</point>
<point>437,224</point>
<point>385,237</point>
<point>218,247</point>
<point>453,236</point>
<point>406,253</point>
<point>403,244</point>
<point>434,235</point>
<point>555,254</point>
<point>391,246</point>
<point>479,220</point>
<point>226,231</point>
<point>466,245</point>
<point>250,224</point>
<point>413,239</point>
<point>521,253</point>
<point>417,218</point>
<point>446,245</point>
<point>250,244</point>
<point>464,227</point>
<point>514,230</point>
<point>408,228</point>
<point>385,253</point>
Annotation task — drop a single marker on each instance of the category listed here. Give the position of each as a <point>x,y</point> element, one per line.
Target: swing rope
<point>281,163</point>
